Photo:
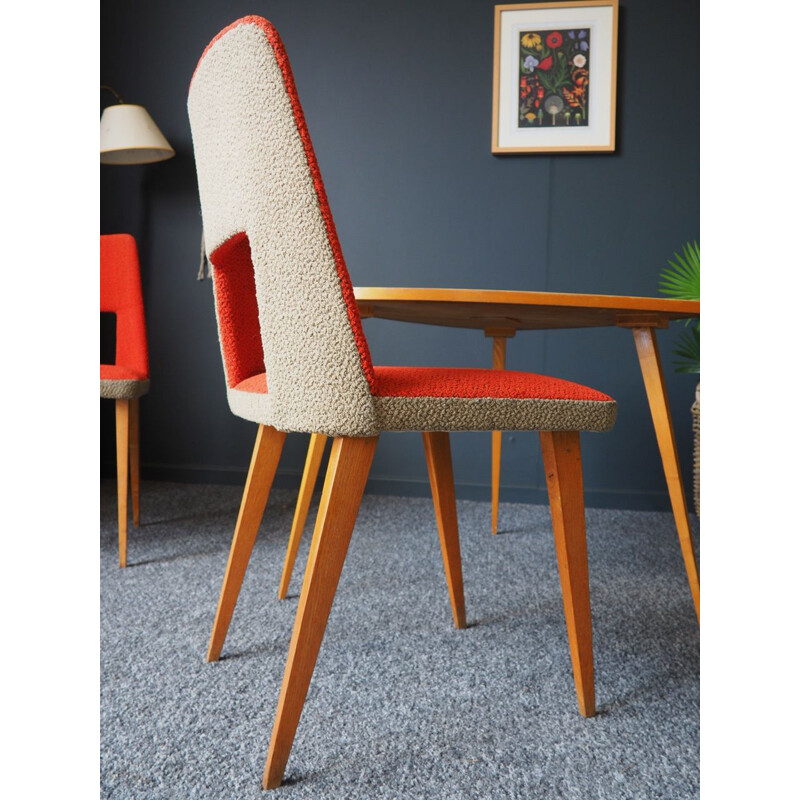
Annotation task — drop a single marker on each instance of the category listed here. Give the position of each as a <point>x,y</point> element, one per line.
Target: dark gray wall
<point>398,102</point>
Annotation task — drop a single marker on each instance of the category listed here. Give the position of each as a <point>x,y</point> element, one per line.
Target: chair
<point>127,379</point>
<point>296,359</point>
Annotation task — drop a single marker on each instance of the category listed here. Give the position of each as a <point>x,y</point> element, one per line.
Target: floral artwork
<point>545,54</point>
<point>554,78</point>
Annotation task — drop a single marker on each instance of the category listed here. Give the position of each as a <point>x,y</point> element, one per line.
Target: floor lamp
<point>128,135</point>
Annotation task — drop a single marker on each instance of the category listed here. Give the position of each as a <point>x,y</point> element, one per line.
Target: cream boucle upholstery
<point>462,413</point>
<point>254,177</point>
<point>123,389</point>
<point>492,414</point>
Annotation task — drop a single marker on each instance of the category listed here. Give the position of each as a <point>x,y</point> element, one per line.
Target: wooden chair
<point>127,379</point>
<point>296,359</point>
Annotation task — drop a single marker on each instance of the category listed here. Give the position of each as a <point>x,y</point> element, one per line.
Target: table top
<point>501,313</point>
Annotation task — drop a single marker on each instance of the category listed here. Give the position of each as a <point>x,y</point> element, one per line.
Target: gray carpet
<point>401,705</point>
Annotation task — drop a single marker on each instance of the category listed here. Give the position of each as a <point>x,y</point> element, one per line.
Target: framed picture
<point>555,77</point>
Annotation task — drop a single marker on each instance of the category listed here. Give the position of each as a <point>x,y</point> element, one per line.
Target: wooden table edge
<point>376,294</point>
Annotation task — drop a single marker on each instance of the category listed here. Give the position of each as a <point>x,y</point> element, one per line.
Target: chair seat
<point>119,382</point>
<point>464,399</point>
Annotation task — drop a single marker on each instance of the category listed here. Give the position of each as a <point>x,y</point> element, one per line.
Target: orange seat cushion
<point>474,383</point>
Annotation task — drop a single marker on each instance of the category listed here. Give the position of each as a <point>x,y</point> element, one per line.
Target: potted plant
<point>681,279</point>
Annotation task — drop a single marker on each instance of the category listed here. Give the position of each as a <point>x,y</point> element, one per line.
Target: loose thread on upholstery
<point>206,267</point>
<point>202,271</point>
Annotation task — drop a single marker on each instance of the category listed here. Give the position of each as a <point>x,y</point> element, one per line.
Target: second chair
<point>127,379</point>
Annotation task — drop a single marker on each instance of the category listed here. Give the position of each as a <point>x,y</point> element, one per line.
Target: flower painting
<point>549,57</point>
<point>554,78</point>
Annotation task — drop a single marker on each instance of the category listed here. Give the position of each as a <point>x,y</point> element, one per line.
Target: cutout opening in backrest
<point>237,309</point>
<point>108,337</point>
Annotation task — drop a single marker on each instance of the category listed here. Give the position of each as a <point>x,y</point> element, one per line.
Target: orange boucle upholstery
<point>237,310</point>
<point>121,293</point>
<point>474,383</point>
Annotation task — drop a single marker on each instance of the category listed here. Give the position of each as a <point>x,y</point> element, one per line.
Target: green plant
<point>681,279</point>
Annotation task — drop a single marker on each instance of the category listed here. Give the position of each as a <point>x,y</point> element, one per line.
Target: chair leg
<point>133,447</point>
<point>123,438</point>
<point>266,453</point>
<point>497,445</point>
<point>561,451</point>
<point>313,459</point>
<point>348,468</point>
<point>440,471</point>
<point>498,362</point>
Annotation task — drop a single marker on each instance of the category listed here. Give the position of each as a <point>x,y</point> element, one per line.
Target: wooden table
<point>500,314</point>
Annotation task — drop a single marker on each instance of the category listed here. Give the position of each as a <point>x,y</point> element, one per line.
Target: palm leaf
<point>687,351</point>
<point>682,278</point>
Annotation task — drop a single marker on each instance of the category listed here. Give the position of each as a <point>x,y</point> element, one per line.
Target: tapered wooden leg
<point>266,454</point>
<point>313,459</point>
<point>440,470</point>
<point>650,363</point>
<point>123,438</point>
<point>561,451</point>
<point>498,362</point>
<point>133,447</point>
<point>348,468</point>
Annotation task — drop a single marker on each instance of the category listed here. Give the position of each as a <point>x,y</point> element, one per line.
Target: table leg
<point>498,362</point>
<point>650,363</point>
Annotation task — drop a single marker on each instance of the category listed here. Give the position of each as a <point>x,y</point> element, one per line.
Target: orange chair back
<point>121,293</point>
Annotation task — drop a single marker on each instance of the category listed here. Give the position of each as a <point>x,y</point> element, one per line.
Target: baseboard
<point>402,487</point>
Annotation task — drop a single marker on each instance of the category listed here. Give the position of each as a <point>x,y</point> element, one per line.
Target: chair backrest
<point>283,296</point>
<point>121,293</point>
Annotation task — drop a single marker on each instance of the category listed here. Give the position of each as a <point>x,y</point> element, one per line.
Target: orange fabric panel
<point>116,372</point>
<point>472,383</point>
<point>237,309</point>
<point>121,293</point>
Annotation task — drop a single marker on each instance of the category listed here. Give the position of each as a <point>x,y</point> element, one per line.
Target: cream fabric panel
<point>253,176</point>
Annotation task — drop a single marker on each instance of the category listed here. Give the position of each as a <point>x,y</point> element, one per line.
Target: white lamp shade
<point>128,135</point>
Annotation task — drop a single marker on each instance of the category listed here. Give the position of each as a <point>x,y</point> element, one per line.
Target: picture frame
<point>555,77</point>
